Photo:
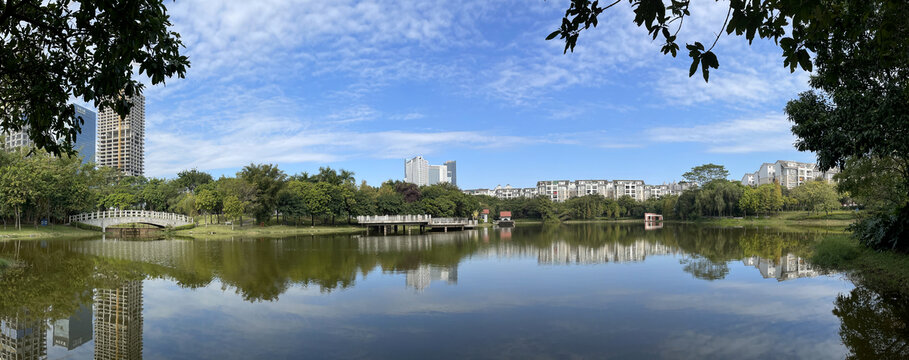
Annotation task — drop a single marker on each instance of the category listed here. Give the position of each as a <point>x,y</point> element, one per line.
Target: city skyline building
<point>86,141</point>
<point>121,141</point>
<point>418,171</point>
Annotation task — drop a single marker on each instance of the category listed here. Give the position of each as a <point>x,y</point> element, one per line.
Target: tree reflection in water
<point>873,326</point>
<point>53,279</point>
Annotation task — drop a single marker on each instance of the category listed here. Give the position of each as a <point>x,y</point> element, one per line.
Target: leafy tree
<point>706,173</point>
<point>290,204</point>
<point>155,194</point>
<point>875,182</point>
<point>234,208</point>
<point>57,50</point>
<point>268,180</point>
<point>750,202</point>
<point>16,189</point>
<point>800,28</point>
<point>189,180</point>
<point>206,202</point>
<point>817,196</point>
<point>121,201</point>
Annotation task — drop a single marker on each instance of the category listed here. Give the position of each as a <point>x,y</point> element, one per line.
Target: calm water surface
<point>585,291</point>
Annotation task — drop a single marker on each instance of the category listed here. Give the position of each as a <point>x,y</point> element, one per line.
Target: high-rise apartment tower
<point>121,140</point>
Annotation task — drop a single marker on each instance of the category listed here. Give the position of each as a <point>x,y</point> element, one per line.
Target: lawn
<point>49,231</point>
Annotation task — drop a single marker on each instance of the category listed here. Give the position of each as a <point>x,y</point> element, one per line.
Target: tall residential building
<point>85,141</point>
<point>452,175</point>
<point>121,141</point>
<point>416,171</point>
<point>118,322</point>
<point>437,174</point>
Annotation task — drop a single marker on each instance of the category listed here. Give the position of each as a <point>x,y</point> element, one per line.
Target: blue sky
<point>362,85</point>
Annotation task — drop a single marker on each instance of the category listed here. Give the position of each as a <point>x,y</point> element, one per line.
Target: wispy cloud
<point>762,134</point>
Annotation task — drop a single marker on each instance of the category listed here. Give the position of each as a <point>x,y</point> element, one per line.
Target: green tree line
<point>35,185</point>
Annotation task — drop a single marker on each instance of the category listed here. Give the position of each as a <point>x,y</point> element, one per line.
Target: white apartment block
<point>749,179</point>
<point>418,171</point>
<point>562,190</point>
<point>788,174</point>
<point>505,192</point>
<point>556,190</point>
<point>632,188</point>
<point>15,139</point>
<point>121,140</point>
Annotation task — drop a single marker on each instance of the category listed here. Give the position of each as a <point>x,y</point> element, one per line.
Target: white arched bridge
<point>103,219</point>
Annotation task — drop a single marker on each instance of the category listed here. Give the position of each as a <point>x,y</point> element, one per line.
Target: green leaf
<point>553,34</point>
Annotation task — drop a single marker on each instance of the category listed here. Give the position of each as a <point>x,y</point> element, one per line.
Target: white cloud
<point>769,133</point>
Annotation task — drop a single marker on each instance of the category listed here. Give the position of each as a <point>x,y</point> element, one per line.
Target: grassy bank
<point>786,218</point>
<point>43,232</point>
<point>882,270</point>
<point>220,231</point>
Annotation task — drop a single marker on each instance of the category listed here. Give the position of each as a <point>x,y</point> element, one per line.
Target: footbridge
<point>424,222</point>
<point>104,219</point>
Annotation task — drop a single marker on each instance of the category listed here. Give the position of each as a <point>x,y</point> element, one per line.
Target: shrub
<point>883,231</point>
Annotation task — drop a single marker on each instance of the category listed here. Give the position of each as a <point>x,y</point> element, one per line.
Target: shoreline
<point>213,231</point>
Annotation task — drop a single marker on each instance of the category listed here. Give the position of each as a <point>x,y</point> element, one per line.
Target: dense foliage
<point>54,51</point>
<point>42,186</point>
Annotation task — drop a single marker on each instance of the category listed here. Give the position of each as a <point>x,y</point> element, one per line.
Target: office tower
<point>121,140</point>
<point>118,322</point>
<point>85,141</point>
<point>438,174</point>
<point>452,176</point>
<point>23,336</point>
<point>75,330</point>
<point>416,171</point>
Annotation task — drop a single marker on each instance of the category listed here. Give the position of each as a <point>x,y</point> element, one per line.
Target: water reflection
<point>23,335</point>
<point>118,321</point>
<point>422,276</point>
<point>91,291</point>
<point>75,330</point>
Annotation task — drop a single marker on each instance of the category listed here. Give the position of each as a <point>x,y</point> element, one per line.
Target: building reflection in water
<point>564,253</point>
<point>422,276</point>
<point>118,322</point>
<point>787,267</point>
<point>23,336</point>
<point>74,331</point>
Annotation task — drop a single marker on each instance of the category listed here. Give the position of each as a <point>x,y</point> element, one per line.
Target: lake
<point>598,290</point>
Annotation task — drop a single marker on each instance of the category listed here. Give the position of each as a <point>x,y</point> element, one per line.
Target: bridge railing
<point>385,219</point>
<point>129,214</point>
<point>451,221</point>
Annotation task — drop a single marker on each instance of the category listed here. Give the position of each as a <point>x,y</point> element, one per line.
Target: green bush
<point>883,231</point>
<point>86,226</point>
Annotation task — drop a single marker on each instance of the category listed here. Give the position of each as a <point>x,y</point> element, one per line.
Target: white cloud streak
<point>762,134</point>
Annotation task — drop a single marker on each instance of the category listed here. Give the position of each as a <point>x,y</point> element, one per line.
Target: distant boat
<point>505,219</point>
